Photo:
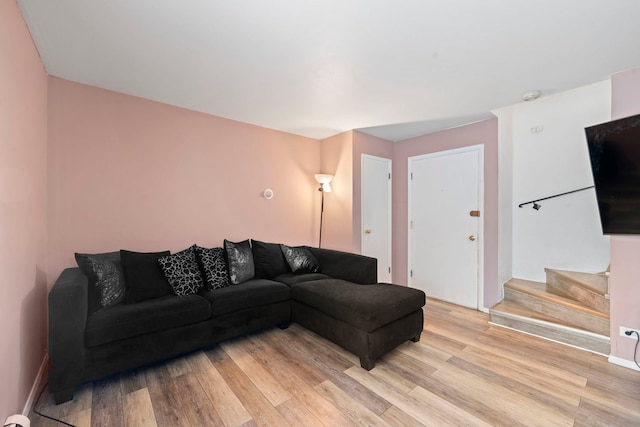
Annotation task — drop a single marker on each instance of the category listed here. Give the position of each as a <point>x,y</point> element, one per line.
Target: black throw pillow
<point>214,267</point>
<point>182,272</point>
<point>268,260</point>
<point>300,260</point>
<point>106,278</point>
<point>240,258</point>
<point>143,276</point>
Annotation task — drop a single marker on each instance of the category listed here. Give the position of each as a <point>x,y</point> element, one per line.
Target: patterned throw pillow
<point>300,259</point>
<point>214,266</point>
<point>240,257</point>
<point>106,277</point>
<point>182,272</point>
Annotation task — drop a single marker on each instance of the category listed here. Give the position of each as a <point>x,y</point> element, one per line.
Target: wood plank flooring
<point>463,372</point>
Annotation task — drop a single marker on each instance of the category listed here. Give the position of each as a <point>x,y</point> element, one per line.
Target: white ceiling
<point>392,68</point>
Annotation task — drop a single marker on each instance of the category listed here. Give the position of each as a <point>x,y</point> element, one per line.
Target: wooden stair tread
<point>539,290</point>
<point>595,282</point>
<point>511,308</point>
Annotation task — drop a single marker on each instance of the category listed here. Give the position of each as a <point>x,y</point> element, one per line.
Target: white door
<point>376,213</point>
<point>445,236</point>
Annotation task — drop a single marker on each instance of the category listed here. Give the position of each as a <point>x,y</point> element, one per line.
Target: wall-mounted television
<point>614,151</point>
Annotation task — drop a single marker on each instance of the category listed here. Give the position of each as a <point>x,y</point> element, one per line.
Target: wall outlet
<point>624,329</point>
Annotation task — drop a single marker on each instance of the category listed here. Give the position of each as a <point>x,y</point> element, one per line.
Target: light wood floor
<point>462,372</point>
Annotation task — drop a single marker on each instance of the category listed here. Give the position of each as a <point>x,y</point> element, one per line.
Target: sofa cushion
<point>214,266</point>
<point>106,278</point>
<point>366,307</point>
<point>293,278</point>
<point>143,276</point>
<point>182,272</point>
<point>249,294</point>
<point>130,320</point>
<point>240,259</point>
<point>300,260</point>
<point>268,259</point>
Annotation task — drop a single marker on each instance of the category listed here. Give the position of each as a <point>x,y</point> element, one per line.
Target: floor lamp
<point>324,180</point>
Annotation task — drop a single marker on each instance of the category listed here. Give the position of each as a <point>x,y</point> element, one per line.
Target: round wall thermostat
<point>268,194</point>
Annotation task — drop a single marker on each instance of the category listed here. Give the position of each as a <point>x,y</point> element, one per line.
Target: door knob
<point>472,237</point>
<point>367,231</point>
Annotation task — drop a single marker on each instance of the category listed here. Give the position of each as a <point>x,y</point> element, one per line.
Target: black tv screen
<point>614,151</point>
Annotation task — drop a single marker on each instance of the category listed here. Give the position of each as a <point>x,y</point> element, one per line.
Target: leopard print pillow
<point>214,266</point>
<point>182,272</point>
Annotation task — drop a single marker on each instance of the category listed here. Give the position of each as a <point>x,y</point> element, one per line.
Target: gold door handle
<point>472,237</point>
<point>367,231</point>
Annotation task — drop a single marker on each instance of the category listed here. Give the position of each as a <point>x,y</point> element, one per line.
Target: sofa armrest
<point>68,310</point>
<point>347,266</point>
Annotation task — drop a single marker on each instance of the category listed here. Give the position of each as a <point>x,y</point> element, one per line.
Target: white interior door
<point>376,213</point>
<point>445,240</point>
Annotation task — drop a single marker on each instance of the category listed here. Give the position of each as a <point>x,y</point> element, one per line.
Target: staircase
<point>571,308</point>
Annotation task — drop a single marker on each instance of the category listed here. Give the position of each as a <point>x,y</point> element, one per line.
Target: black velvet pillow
<point>268,260</point>
<point>143,276</point>
<point>214,267</point>
<point>240,258</point>
<point>182,272</point>
<point>106,278</point>
<point>300,260</point>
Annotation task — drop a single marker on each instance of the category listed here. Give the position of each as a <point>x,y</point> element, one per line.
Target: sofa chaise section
<point>368,320</point>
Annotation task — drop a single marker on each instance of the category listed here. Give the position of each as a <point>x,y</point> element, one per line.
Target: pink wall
<point>337,160</point>
<point>485,133</point>
<point>341,157</point>
<point>131,173</point>
<point>625,269</point>
<point>23,221</point>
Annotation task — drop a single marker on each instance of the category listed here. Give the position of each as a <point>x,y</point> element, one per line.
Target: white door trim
<point>390,206</point>
<point>480,149</point>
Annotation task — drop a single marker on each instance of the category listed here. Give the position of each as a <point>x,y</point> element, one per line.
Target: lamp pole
<point>323,179</point>
<point>321,215</point>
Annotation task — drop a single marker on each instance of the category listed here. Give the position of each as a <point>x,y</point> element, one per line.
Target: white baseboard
<point>37,384</point>
<point>623,362</point>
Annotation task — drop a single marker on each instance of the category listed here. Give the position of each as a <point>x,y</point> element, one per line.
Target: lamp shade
<point>324,179</point>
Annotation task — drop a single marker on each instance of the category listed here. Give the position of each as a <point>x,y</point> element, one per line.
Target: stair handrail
<point>534,202</point>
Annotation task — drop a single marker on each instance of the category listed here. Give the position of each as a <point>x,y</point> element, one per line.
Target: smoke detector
<point>531,95</point>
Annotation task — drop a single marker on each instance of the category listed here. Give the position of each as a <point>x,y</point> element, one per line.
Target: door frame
<point>479,148</point>
<point>390,207</point>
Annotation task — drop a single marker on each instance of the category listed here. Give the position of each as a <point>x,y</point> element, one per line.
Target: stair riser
<point>587,321</point>
<point>594,344</point>
<point>568,288</point>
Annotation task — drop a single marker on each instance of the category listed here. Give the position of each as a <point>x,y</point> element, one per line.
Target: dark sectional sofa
<point>342,302</point>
